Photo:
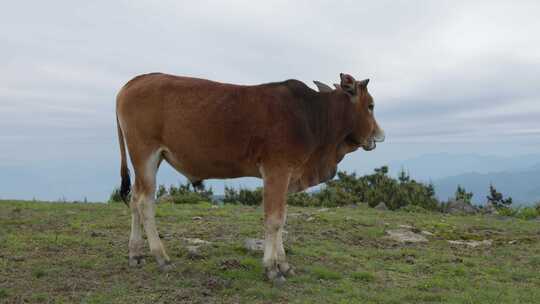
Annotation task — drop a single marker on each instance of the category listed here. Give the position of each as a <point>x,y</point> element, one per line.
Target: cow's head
<point>366,132</point>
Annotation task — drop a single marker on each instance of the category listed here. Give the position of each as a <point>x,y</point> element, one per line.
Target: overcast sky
<point>458,76</point>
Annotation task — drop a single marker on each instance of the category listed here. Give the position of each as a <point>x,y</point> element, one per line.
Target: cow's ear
<point>348,84</point>
<point>362,85</point>
<point>322,87</point>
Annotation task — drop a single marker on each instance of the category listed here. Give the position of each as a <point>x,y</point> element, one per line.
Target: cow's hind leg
<point>276,183</point>
<point>145,188</point>
<point>136,242</point>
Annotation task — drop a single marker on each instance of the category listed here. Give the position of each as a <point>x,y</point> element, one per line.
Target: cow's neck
<point>334,117</point>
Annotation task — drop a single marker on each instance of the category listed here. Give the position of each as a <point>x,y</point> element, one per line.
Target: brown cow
<point>288,134</point>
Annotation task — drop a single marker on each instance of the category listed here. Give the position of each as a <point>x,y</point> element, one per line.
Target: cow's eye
<point>371,107</point>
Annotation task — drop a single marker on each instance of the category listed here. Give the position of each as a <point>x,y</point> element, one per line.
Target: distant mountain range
<point>440,165</point>
<point>522,186</point>
<point>518,177</point>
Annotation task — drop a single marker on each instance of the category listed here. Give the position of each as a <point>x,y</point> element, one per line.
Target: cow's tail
<point>125,186</point>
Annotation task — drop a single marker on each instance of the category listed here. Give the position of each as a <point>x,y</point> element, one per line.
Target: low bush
<point>302,199</point>
<point>188,198</point>
<point>380,187</point>
<point>243,196</point>
<point>115,196</point>
<point>527,213</point>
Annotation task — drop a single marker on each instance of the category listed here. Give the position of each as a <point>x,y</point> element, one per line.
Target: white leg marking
<point>147,211</point>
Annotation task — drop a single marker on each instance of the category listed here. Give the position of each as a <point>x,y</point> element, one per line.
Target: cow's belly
<point>198,165</point>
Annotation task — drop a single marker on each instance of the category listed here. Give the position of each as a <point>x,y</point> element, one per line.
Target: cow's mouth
<point>369,145</point>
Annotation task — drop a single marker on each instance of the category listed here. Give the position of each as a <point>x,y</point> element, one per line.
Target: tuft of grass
<point>38,273</point>
<point>322,273</point>
<point>362,276</point>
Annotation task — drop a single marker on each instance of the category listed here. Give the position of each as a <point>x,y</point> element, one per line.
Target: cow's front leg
<point>276,182</point>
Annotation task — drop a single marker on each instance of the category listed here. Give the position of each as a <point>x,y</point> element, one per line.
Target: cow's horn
<point>322,87</point>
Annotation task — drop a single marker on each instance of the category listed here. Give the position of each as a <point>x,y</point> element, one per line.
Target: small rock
<point>310,219</point>
<point>254,244</point>
<point>405,236</point>
<point>230,264</point>
<point>460,207</point>
<point>490,209</point>
<point>424,232</point>
<point>194,253</point>
<point>472,244</point>
<point>406,227</point>
<point>381,206</point>
<point>195,241</point>
<point>512,242</point>
<point>323,210</point>
<point>196,218</point>
<point>214,207</point>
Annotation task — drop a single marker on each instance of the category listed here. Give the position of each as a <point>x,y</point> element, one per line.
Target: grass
<point>77,253</point>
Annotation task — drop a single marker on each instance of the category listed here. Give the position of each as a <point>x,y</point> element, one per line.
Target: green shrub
<point>507,211</point>
<point>188,198</point>
<point>413,209</point>
<point>184,194</point>
<point>115,196</point>
<point>527,213</point>
<point>333,197</point>
<point>463,195</point>
<point>243,196</point>
<point>497,200</point>
<point>161,191</point>
<point>379,187</point>
<point>186,189</point>
<point>301,199</point>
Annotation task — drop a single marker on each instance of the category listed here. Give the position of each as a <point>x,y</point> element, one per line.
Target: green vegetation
<point>497,200</point>
<point>463,195</point>
<point>348,189</point>
<point>403,193</point>
<point>77,253</point>
<point>181,194</point>
<point>243,196</point>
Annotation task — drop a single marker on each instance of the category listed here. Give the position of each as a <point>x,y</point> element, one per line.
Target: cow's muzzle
<point>371,143</point>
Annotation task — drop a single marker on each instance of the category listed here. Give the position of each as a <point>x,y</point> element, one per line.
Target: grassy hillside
<point>71,253</point>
